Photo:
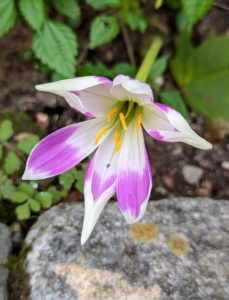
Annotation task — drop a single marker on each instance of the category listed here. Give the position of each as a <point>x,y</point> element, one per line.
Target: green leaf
<point>1,151</point>
<point>7,15</point>
<point>135,19</point>
<point>103,29</point>
<point>66,179</point>
<point>203,74</point>
<point>173,99</point>
<point>26,188</point>
<point>12,163</point>
<point>27,144</point>
<point>56,195</point>
<point>34,205</point>
<point>173,3</point>
<point>7,189</point>
<point>56,76</point>
<point>101,70</point>
<point>159,67</point>
<point>6,130</point>
<point>80,175</point>
<point>33,11</point>
<point>23,211</point>
<point>195,9</point>
<point>56,46</point>
<point>45,199</point>
<point>102,4</point>
<point>20,197</point>
<point>69,8</point>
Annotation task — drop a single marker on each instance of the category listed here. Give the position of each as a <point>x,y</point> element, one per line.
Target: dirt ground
<point>18,78</point>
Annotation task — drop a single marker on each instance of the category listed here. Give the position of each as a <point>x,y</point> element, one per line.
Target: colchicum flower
<point>120,165</point>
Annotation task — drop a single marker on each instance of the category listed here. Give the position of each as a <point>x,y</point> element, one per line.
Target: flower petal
<point>100,184</point>
<point>63,149</point>
<point>90,94</point>
<point>166,124</point>
<point>127,88</point>
<point>134,181</point>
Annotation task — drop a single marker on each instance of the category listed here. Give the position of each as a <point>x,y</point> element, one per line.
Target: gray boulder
<point>180,250</point>
<point>5,247</point>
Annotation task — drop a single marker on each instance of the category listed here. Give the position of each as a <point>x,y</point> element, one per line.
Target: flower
<point>120,108</point>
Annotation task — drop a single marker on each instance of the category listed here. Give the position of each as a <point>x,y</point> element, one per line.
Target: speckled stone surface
<point>180,250</point>
<point>5,247</point>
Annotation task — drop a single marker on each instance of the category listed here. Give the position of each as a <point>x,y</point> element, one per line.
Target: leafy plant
<point>68,178</point>
<point>204,84</point>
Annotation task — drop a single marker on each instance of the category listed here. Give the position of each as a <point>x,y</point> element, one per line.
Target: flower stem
<point>149,59</point>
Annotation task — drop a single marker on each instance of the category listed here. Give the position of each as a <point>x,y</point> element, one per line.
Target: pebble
<point>225,165</point>
<point>192,174</point>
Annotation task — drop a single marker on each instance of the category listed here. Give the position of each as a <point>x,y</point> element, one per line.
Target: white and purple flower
<point>120,165</point>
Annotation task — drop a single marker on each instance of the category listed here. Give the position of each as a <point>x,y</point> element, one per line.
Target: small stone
<point>225,165</point>
<point>5,247</point>
<point>192,174</point>
<point>42,120</point>
<point>160,190</point>
<point>205,163</point>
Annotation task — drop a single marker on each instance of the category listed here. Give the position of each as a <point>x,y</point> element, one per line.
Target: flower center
<point>122,116</point>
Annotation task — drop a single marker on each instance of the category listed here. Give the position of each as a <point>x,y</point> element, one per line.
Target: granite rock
<point>5,247</point>
<point>180,250</point>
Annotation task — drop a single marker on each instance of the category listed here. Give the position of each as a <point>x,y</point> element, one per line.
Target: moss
<point>144,232</point>
<point>18,279</point>
<point>178,244</point>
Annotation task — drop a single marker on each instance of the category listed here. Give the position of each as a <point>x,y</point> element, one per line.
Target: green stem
<point>149,59</point>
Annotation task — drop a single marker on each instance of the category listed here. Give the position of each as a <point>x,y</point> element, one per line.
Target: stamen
<point>118,145</point>
<point>123,121</point>
<point>99,135</point>
<point>139,122</point>
<point>110,114</point>
<point>116,136</point>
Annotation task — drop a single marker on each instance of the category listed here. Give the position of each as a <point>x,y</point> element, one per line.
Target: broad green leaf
<point>6,130</point>
<point>7,15</point>
<point>56,46</point>
<point>56,195</point>
<point>3,177</point>
<point>135,19</point>
<point>101,70</point>
<point>27,144</point>
<point>66,179</point>
<point>23,211</point>
<point>69,8</point>
<point>195,9</point>
<point>1,151</point>
<point>34,205</point>
<point>56,76</point>
<point>26,188</point>
<point>102,4</point>
<point>103,29</point>
<point>44,198</point>
<point>174,99</point>
<point>20,197</point>
<point>80,175</point>
<point>7,189</point>
<point>203,74</point>
<point>12,163</point>
<point>33,11</point>
<point>158,67</point>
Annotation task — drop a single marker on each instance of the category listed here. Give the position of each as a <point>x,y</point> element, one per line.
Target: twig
<point>127,41</point>
<point>221,6</point>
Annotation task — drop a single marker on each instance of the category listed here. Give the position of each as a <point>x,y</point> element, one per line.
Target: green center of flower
<point>122,115</point>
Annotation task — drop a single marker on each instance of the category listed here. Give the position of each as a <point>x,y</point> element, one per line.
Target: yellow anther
<point>116,136</point>
<point>123,121</point>
<point>110,114</point>
<point>118,145</point>
<point>99,135</point>
<point>139,122</point>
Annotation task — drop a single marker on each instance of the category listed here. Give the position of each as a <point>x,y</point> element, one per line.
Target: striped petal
<point>100,184</point>
<point>134,181</point>
<point>63,149</point>
<point>90,94</point>
<point>127,88</point>
<point>166,124</point>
